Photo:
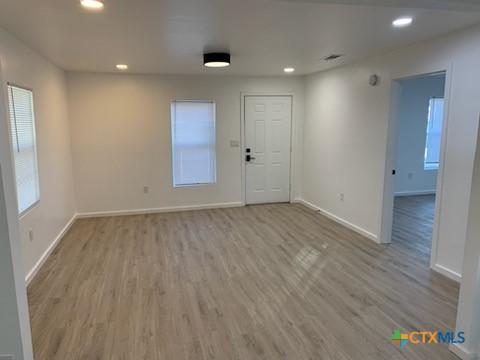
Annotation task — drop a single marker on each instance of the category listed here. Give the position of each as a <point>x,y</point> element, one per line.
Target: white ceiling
<point>264,36</point>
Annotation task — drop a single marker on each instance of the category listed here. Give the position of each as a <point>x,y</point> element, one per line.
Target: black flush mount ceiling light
<point>216,59</point>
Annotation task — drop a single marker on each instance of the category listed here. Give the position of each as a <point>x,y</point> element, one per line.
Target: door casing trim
<point>293,143</point>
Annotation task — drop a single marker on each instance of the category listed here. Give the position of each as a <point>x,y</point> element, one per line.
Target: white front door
<point>267,148</point>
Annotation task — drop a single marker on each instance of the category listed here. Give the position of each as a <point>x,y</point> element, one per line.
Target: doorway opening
<point>417,135</point>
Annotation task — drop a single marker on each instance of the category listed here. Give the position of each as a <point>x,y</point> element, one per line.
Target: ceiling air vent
<point>332,57</point>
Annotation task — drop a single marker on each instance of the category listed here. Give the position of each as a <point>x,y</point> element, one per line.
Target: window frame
<point>172,138</point>
<point>24,212</point>
<point>430,166</point>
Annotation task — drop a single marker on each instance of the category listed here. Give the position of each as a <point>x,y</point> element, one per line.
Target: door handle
<point>249,157</point>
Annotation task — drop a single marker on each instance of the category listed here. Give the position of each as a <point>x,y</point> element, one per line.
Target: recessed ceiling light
<point>92,4</point>
<point>402,22</point>
<point>289,70</point>
<point>122,67</point>
<point>216,60</point>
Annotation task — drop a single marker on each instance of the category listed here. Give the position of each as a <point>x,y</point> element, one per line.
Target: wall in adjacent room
<point>411,177</point>
<point>346,131</point>
<point>122,142</point>
<point>26,68</point>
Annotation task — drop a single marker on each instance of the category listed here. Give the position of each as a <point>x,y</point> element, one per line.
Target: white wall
<point>411,177</point>
<point>24,67</point>
<point>121,137</point>
<point>468,313</point>
<point>346,127</point>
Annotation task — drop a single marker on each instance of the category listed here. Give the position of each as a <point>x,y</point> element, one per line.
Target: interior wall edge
<point>462,353</point>
<point>15,331</point>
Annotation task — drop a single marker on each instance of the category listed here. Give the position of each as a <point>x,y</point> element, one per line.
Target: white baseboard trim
<point>461,352</point>
<point>447,272</point>
<point>159,210</point>
<point>31,274</point>
<point>414,193</point>
<point>339,220</point>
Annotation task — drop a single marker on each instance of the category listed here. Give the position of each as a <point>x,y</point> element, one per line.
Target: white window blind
<point>22,131</point>
<point>434,134</point>
<point>193,142</point>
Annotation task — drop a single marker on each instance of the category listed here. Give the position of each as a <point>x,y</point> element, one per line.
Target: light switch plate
<point>234,143</point>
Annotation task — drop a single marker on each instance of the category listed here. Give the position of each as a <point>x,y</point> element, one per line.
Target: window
<point>434,134</point>
<point>193,142</point>
<point>22,131</point>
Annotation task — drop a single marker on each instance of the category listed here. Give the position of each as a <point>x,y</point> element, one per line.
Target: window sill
<point>430,168</point>
<point>28,210</point>
<point>193,185</point>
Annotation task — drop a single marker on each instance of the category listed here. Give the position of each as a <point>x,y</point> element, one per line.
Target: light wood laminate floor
<point>413,223</point>
<point>258,282</point>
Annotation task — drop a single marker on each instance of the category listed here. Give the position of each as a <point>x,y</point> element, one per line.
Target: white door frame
<point>293,143</point>
<point>386,218</point>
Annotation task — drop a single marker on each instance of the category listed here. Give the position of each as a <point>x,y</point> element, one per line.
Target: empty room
<point>257,179</point>
<point>419,125</point>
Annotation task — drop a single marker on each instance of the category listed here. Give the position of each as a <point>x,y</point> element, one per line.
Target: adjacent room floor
<point>256,282</point>
<point>413,223</point>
